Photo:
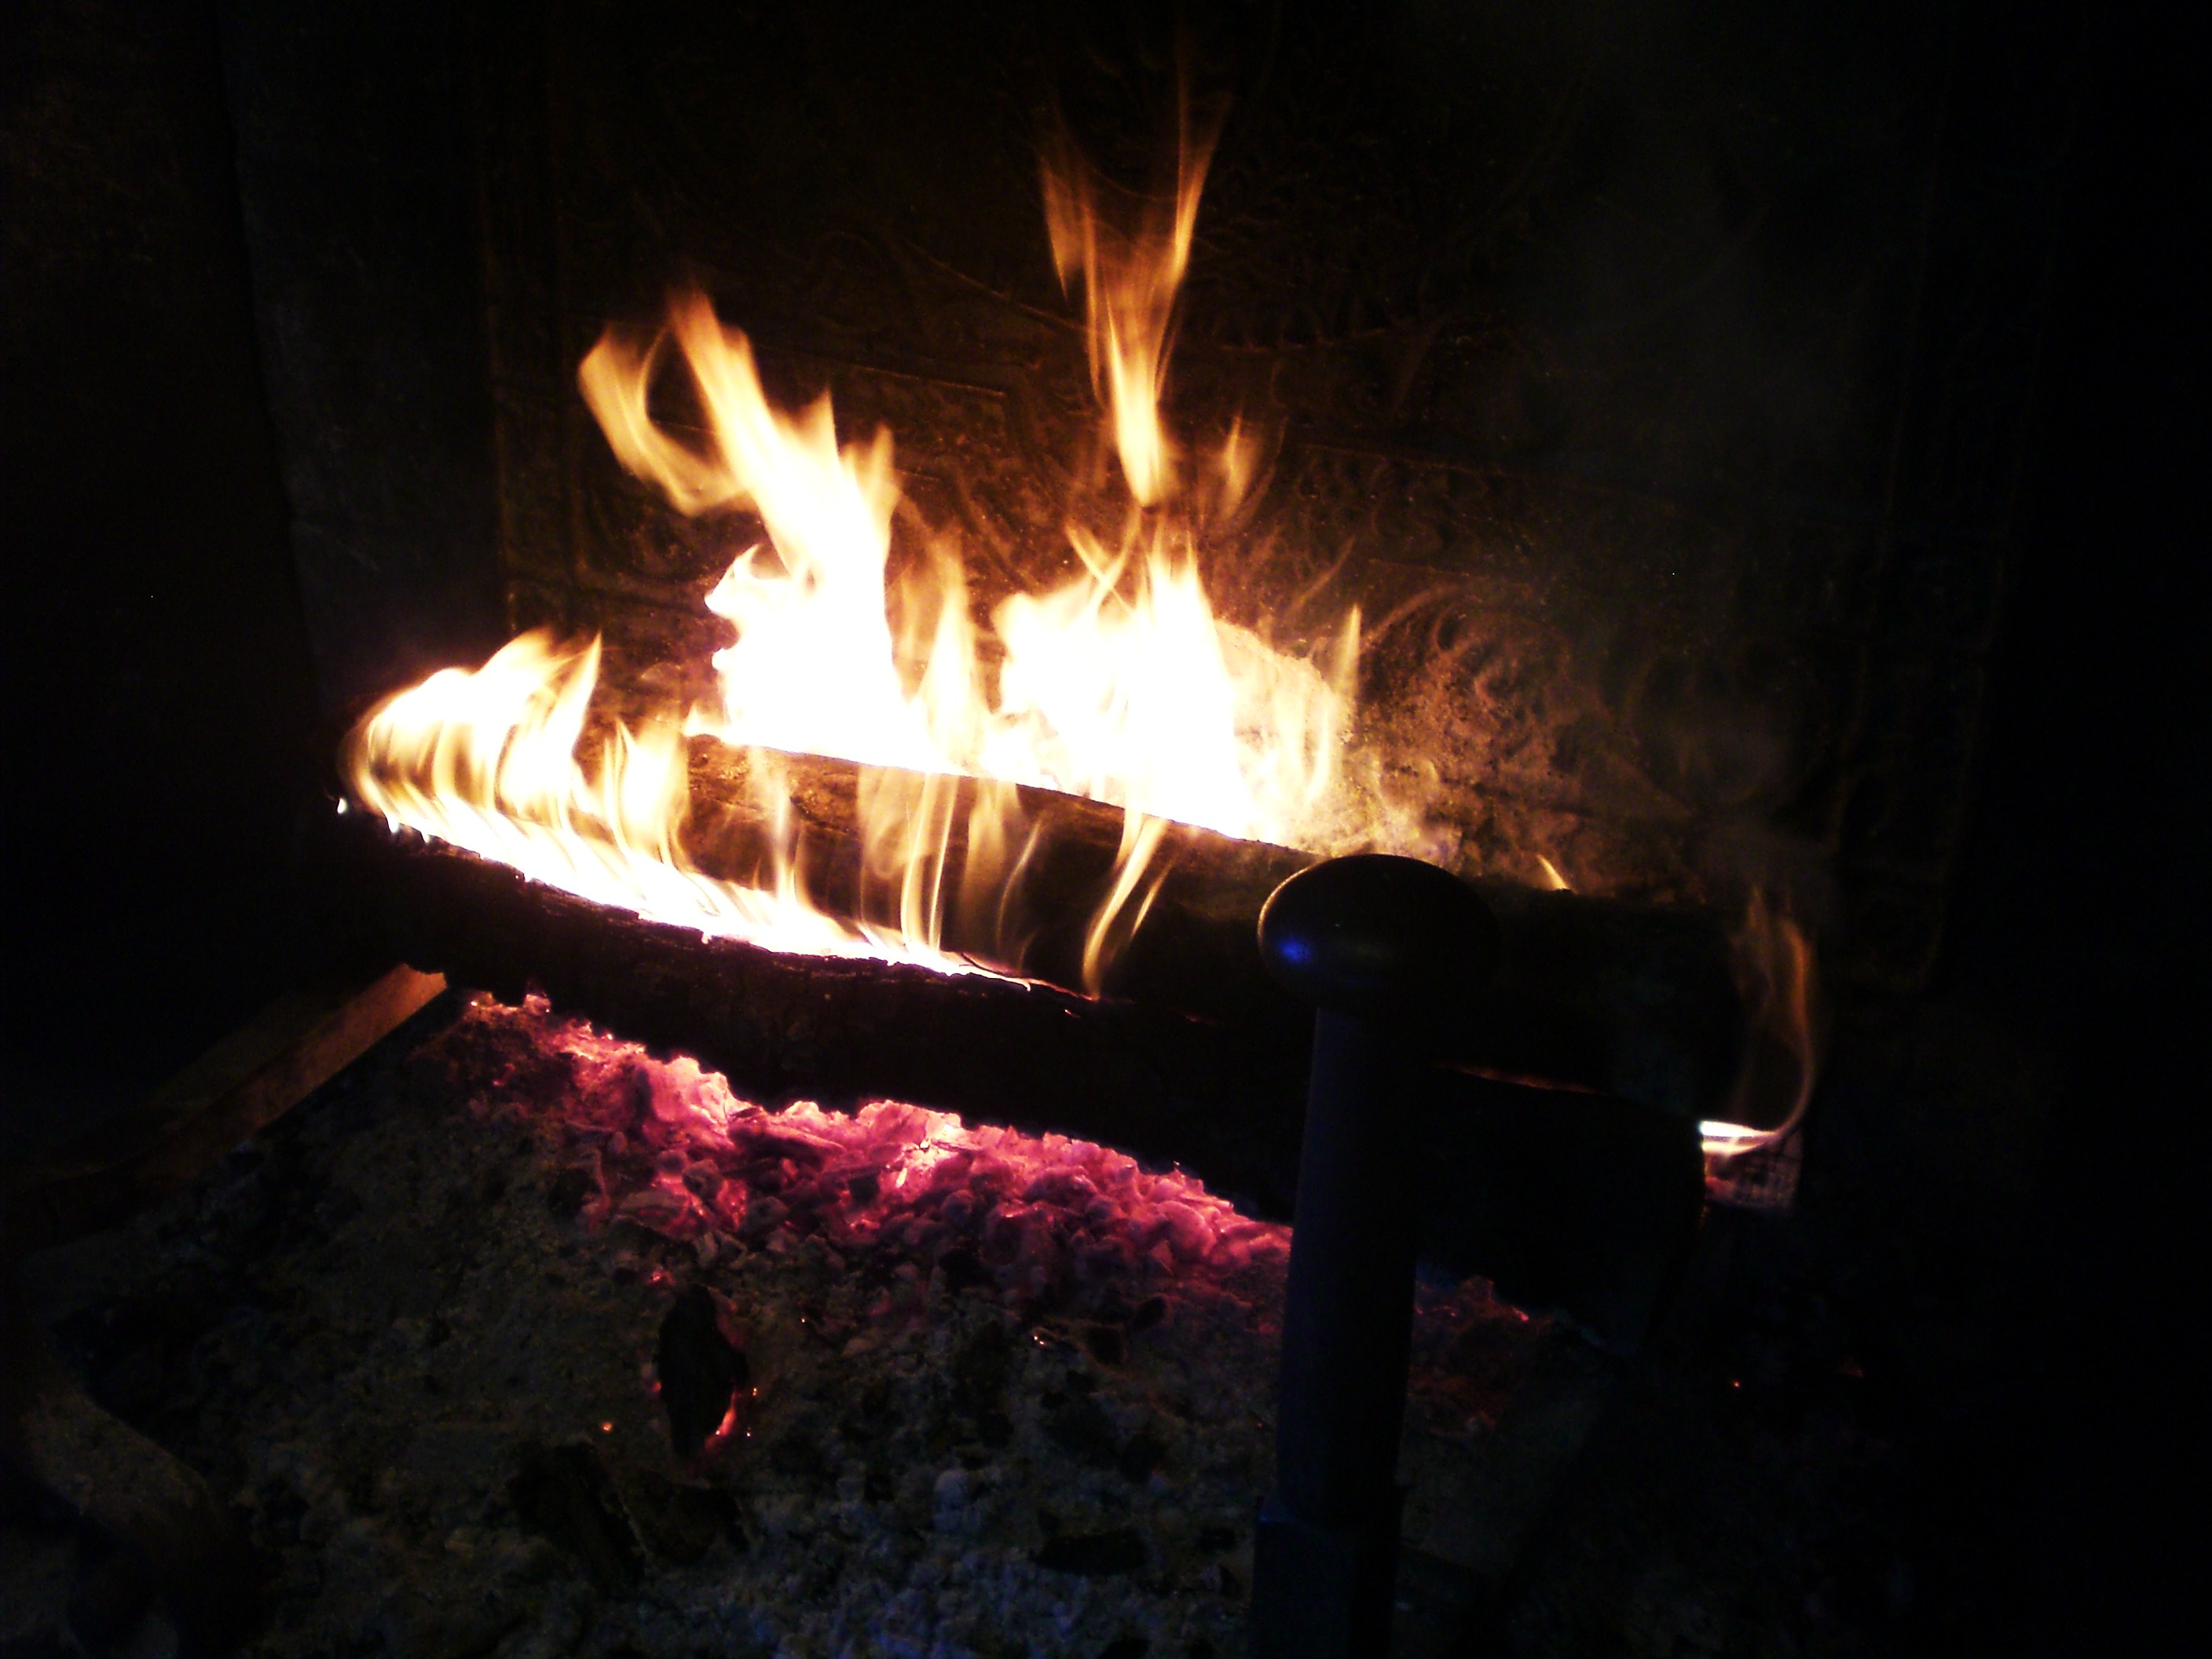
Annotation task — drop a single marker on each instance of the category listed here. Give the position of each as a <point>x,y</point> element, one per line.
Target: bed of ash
<point>518,1340</point>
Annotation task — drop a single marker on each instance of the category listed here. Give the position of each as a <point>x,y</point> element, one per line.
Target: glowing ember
<point>1120,686</point>
<point>920,1207</point>
<point>1050,1223</point>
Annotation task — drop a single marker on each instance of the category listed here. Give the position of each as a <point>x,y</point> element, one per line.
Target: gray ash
<point>529,1343</point>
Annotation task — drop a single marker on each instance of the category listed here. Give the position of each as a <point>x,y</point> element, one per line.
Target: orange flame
<point>487,761</point>
<point>1121,685</point>
<point>1130,274</point>
<point>1782,1001</point>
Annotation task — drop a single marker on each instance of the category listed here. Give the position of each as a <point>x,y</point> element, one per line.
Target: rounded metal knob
<point>1376,934</point>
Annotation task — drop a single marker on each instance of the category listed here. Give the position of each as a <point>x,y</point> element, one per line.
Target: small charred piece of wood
<point>700,1372</point>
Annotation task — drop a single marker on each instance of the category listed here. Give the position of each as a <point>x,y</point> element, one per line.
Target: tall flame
<point>1131,273</point>
<point>1120,685</point>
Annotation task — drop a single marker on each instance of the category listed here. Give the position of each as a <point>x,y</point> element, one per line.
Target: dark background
<point>2080,910</point>
<point>168,738</point>
<point>162,730</point>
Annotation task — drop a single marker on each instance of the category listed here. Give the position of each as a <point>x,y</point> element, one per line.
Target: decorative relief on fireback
<point>1572,362</point>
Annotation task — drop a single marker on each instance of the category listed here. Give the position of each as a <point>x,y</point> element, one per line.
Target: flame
<point>1130,273</point>
<point>1120,685</point>
<point>1782,1001</point>
<point>487,761</point>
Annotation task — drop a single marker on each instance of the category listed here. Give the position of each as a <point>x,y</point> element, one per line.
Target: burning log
<point>1574,1202</point>
<point>1631,1000</point>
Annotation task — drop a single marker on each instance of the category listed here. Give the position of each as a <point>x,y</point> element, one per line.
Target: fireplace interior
<point>682,1135</point>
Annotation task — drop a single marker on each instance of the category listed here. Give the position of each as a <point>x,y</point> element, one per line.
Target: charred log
<point>844,1030</point>
<point>1572,1202</point>
<point>1634,1000</point>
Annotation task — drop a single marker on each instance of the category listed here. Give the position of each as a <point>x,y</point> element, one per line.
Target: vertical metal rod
<point>1378,944</point>
<point>1326,1556</point>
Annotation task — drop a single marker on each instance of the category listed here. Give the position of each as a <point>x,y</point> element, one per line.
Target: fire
<point>1781,1003</point>
<point>1130,274</point>
<point>1121,684</point>
<point>487,761</point>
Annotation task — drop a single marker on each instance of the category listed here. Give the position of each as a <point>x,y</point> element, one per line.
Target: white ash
<point>1017,1405</point>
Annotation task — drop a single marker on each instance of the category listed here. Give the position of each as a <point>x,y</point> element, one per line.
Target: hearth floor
<point>415,1331</point>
